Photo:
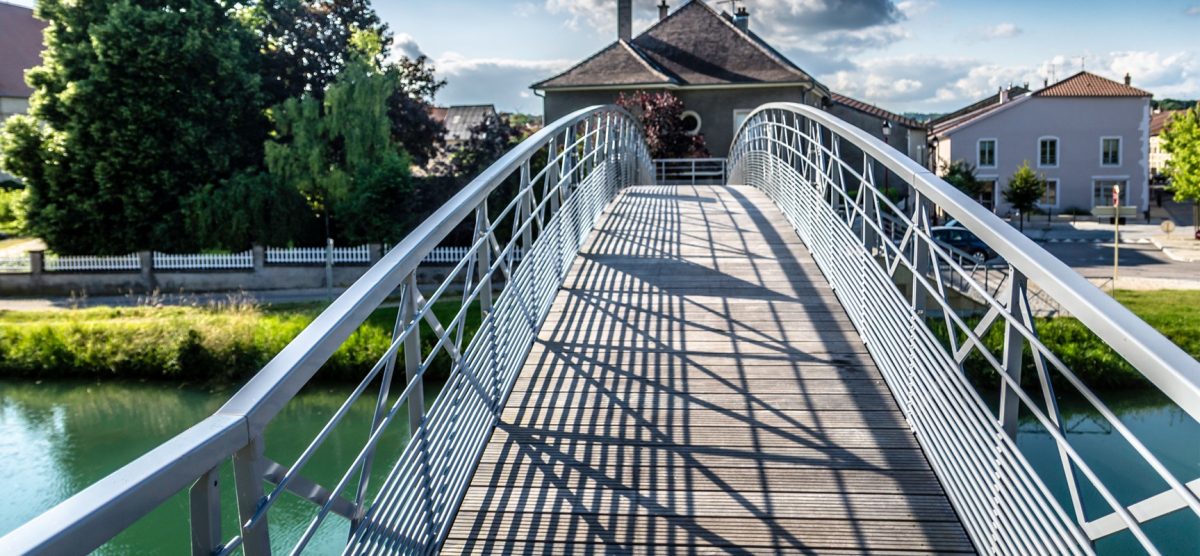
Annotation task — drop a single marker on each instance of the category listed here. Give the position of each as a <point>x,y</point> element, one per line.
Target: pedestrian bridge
<point>785,364</point>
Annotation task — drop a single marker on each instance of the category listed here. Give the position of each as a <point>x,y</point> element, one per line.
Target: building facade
<point>1159,157</point>
<point>20,50</point>
<point>711,61</point>
<point>1086,135</point>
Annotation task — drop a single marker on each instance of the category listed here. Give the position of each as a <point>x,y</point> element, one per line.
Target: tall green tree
<point>961,174</point>
<point>339,153</point>
<point>1182,139</point>
<point>138,103</point>
<point>307,43</point>
<point>1025,189</point>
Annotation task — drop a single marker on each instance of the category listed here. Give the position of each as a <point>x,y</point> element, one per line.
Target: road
<point>1095,260</point>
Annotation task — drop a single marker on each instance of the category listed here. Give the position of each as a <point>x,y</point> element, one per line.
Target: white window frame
<point>1108,200</point>
<point>1057,193</point>
<point>1120,146</point>
<point>1057,151</point>
<point>740,115</point>
<point>699,121</point>
<point>995,152</point>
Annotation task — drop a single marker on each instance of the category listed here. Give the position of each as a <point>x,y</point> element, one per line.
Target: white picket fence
<point>76,263</point>
<point>451,255</point>
<point>316,255</point>
<point>209,261</point>
<point>19,264</point>
<point>167,261</point>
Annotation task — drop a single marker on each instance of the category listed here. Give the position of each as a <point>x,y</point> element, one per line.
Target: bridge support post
<point>205,507</point>
<point>249,466</point>
<point>1014,349</point>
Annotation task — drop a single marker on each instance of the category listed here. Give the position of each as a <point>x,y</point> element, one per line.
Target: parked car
<point>963,240</point>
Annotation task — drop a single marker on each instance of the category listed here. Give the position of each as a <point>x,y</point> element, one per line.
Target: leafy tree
<point>961,174</point>
<point>661,116</point>
<point>1181,138</point>
<point>1025,189</point>
<point>413,125</point>
<point>307,43</point>
<point>339,153</point>
<point>251,207</point>
<point>136,106</point>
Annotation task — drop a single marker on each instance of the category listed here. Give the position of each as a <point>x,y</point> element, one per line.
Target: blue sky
<point>907,55</point>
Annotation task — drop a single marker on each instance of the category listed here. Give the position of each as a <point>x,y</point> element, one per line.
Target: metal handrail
<point>794,153</point>
<point>588,155</point>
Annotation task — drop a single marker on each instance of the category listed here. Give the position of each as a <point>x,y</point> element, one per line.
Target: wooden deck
<point>697,388</point>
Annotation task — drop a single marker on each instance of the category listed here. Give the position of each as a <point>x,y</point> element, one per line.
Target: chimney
<point>1128,80</point>
<point>663,10</point>
<point>742,18</point>
<point>625,20</point>
<point>1003,95</point>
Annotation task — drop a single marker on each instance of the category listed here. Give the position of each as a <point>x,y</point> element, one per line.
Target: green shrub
<point>186,343</point>
<point>12,210</point>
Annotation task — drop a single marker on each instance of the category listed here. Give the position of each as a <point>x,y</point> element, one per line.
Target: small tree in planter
<point>961,174</point>
<point>661,115</point>
<point>1025,189</point>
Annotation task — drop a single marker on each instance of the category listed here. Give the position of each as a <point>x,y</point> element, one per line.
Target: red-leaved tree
<point>661,115</point>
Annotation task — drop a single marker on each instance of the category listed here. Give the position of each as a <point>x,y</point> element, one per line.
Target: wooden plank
<point>743,535</point>
<point>773,478</point>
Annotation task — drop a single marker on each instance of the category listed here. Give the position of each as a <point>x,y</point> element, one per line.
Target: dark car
<point>963,240</point>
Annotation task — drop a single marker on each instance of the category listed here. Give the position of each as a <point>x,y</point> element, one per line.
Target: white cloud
<point>1194,10</point>
<point>925,83</point>
<point>501,81</point>
<point>1002,31</point>
<point>405,45</point>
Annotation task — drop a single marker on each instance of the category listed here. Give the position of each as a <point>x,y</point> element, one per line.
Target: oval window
<point>691,122</point>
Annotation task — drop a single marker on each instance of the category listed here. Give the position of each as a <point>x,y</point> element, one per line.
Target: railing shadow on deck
<point>601,444</point>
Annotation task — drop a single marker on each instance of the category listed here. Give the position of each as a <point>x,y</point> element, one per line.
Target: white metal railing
<point>15,264</point>
<point>690,171</point>
<point>165,261</point>
<point>897,296</point>
<point>318,255</point>
<point>72,263</point>
<point>563,176</point>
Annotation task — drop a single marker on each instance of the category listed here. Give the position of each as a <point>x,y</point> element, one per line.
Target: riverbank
<point>217,343</point>
<point>227,342</point>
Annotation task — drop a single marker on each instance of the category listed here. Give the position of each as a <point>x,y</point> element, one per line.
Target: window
<point>1102,192</point>
<point>739,117</point>
<point>987,154</point>
<point>1110,151</point>
<point>1048,152</point>
<point>691,122</point>
<point>1050,196</point>
<point>987,193</point>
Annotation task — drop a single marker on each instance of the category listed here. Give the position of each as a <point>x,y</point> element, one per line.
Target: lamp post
<point>887,132</point>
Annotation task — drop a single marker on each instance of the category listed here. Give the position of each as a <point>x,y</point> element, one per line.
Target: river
<point>57,438</point>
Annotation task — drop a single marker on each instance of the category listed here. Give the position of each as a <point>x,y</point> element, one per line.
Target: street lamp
<point>887,131</point>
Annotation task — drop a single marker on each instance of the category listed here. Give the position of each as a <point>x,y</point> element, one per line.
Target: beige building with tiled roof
<point>1086,134</point>
<point>712,61</point>
<point>1159,157</point>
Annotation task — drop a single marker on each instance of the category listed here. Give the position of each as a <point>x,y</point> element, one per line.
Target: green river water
<point>57,438</point>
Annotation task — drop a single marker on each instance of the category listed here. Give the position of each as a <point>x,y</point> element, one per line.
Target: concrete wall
<point>1079,124</point>
<point>262,277</point>
<point>716,107</point>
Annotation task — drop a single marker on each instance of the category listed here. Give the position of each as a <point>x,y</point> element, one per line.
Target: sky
<point>906,55</point>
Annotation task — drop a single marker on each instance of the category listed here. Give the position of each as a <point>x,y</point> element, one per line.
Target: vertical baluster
<point>205,505</point>
<point>249,466</point>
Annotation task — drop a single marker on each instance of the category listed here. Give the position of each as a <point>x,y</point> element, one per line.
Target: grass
<point>207,344</point>
<point>1175,314</point>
